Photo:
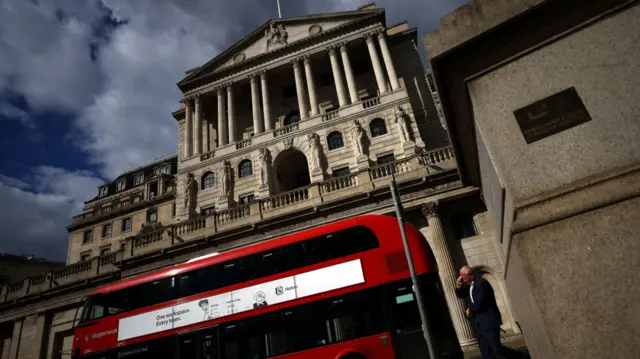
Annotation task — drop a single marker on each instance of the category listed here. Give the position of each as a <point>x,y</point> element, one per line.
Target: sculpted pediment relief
<point>277,34</point>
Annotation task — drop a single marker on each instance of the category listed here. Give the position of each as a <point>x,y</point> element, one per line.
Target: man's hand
<point>468,314</point>
<point>459,282</point>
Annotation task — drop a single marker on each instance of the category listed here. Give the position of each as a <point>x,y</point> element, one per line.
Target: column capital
<point>380,33</point>
<point>430,209</point>
<point>253,77</point>
<point>332,48</point>
<point>228,86</point>
<point>343,46</point>
<point>306,58</point>
<point>261,72</point>
<point>295,62</point>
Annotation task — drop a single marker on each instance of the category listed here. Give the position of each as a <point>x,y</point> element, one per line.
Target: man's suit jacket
<point>484,309</point>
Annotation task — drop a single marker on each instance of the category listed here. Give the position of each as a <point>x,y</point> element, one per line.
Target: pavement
<point>511,353</point>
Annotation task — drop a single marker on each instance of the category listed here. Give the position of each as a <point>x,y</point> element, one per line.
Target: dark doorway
<point>292,170</point>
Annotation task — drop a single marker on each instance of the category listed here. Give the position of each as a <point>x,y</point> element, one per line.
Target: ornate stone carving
<point>225,180</point>
<point>357,136</point>
<point>287,143</point>
<point>314,150</point>
<point>240,56</point>
<point>315,29</point>
<point>430,209</point>
<point>403,128</point>
<point>190,193</point>
<point>265,167</point>
<point>276,35</point>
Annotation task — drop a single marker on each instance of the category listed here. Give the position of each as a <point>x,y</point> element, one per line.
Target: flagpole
<point>279,13</point>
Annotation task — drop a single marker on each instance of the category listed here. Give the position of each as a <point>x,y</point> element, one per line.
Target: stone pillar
<point>302,106</point>
<point>388,61</point>
<point>198,127</point>
<point>222,118</point>
<point>255,105</point>
<point>375,61</point>
<point>311,86</point>
<point>337,77</point>
<point>266,110</point>
<point>231,114</point>
<point>448,275</point>
<point>348,73</point>
<point>15,338</point>
<point>188,129</point>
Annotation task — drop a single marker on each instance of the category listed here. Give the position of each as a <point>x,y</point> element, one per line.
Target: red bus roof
<point>370,221</point>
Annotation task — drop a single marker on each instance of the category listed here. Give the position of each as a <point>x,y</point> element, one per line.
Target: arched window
<point>292,118</point>
<point>208,180</point>
<point>245,169</point>
<point>152,215</point>
<point>377,127</point>
<point>334,140</point>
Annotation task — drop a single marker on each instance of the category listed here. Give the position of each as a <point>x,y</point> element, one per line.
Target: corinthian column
<point>448,275</point>
<point>313,101</point>
<point>222,118</point>
<point>255,105</point>
<point>375,61</point>
<point>198,126</point>
<point>337,77</point>
<point>302,105</point>
<point>266,110</point>
<point>348,73</point>
<point>388,61</point>
<point>188,129</point>
<point>231,115</point>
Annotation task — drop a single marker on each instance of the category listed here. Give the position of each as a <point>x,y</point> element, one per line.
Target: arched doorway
<point>292,170</point>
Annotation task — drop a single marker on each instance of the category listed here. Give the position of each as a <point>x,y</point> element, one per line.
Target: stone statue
<point>314,150</point>
<point>265,167</point>
<point>357,136</point>
<point>226,180</point>
<point>276,35</point>
<point>402,126</point>
<point>190,193</point>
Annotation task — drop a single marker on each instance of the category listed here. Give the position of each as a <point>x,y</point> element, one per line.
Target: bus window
<point>209,344</point>
<point>187,346</point>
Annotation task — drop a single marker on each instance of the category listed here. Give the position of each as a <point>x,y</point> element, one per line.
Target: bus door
<point>201,344</point>
<point>404,321</point>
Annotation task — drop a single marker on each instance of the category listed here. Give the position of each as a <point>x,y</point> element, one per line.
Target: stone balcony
<point>354,110</point>
<point>340,191</point>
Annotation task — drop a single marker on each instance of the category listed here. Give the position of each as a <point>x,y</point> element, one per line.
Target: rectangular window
<point>246,199</point>
<point>463,225</point>
<point>207,211</point>
<point>385,159</point>
<point>85,256</point>
<point>104,251</point>
<point>173,209</point>
<point>106,230</point>
<point>339,172</point>
<point>103,191</point>
<point>138,179</point>
<point>87,236</point>
<point>126,224</point>
<point>120,186</point>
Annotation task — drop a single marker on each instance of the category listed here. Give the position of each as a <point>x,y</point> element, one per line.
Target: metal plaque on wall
<point>551,115</point>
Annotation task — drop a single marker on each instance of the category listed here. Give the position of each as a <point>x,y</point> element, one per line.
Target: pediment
<point>277,34</point>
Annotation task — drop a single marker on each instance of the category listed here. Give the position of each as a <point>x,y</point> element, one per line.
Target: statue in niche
<point>265,167</point>
<point>314,150</point>
<point>226,180</point>
<point>402,126</point>
<point>190,193</point>
<point>276,35</point>
<point>357,136</point>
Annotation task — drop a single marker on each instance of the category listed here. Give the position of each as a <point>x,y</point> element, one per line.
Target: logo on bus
<point>279,290</point>
<point>88,337</point>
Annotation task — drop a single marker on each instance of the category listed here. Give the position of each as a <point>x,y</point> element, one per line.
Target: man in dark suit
<point>482,311</point>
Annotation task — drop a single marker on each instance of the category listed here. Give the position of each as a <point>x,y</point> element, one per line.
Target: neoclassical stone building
<point>299,124</point>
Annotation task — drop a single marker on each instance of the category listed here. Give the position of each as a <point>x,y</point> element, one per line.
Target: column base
<point>223,203</point>
<point>363,162</point>
<point>263,191</point>
<point>409,148</point>
<point>317,175</point>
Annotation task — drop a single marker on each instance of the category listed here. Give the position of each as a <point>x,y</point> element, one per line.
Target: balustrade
<point>243,144</point>
<point>286,130</point>
<point>208,155</point>
<point>279,204</point>
<point>331,115</point>
<point>372,102</point>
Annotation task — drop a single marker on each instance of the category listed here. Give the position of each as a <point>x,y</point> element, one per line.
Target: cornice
<point>280,56</point>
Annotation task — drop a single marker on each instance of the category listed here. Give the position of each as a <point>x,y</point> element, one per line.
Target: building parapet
<point>356,186</point>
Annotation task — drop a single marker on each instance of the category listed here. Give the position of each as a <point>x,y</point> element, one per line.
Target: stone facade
<point>298,125</point>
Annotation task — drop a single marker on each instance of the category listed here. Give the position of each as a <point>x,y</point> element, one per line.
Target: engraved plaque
<point>551,115</point>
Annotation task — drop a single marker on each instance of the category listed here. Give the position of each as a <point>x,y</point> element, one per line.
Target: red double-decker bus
<point>339,291</point>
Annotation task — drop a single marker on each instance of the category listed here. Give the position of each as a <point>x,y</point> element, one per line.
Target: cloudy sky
<point>87,88</point>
